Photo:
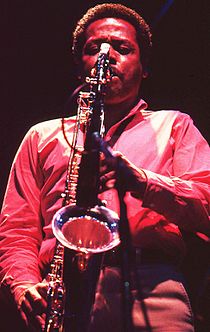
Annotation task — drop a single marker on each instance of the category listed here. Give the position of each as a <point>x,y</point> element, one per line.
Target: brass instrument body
<point>84,228</point>
<point>84,224</point>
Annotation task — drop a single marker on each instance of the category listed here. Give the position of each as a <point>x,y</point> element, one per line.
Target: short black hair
<point>113,10</point>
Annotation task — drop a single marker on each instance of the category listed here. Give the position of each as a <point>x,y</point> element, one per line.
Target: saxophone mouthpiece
<point>104,49</point>
<point>101,72</point>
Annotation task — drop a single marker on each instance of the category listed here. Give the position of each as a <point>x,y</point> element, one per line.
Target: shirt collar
<point>140,106</point>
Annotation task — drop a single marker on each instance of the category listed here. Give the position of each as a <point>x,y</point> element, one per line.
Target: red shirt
<point>165,144</point>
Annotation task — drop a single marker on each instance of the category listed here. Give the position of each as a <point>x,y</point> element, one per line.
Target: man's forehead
<point>111,26</point>
<point>111,20</point>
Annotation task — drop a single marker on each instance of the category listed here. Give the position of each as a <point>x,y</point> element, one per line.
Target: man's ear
<point>145,74</point>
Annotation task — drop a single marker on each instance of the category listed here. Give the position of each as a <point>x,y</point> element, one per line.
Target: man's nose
<point>112,55</point>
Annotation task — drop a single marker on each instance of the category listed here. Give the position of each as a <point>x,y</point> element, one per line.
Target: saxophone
<point>84,228</point>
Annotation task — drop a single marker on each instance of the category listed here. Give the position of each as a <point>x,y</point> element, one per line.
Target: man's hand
<point>33,305</point>
<point>118,172</point>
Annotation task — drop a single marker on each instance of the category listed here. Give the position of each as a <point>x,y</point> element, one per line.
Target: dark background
<point>37,74</point>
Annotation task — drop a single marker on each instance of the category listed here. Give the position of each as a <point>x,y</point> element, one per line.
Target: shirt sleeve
<point>20,224</point>
<point>183,197</point>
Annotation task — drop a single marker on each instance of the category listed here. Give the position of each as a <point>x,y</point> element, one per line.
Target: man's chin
<point>113,88</point>
<point>112,99</point>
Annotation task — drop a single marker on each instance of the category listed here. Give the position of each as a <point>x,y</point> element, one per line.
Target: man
<point>167,189</point>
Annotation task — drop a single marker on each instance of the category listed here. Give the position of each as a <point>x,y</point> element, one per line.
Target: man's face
<point>124,57</point>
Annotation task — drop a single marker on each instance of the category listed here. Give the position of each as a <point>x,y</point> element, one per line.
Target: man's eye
<point>91,49</point>
<point>124,50</point>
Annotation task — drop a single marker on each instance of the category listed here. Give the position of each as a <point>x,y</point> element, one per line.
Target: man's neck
<point>116,112</point>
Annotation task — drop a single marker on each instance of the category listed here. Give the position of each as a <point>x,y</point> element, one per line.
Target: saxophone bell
<point>92,230</point>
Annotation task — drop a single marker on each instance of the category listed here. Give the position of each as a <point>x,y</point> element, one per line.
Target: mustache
<point>115,72</point>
